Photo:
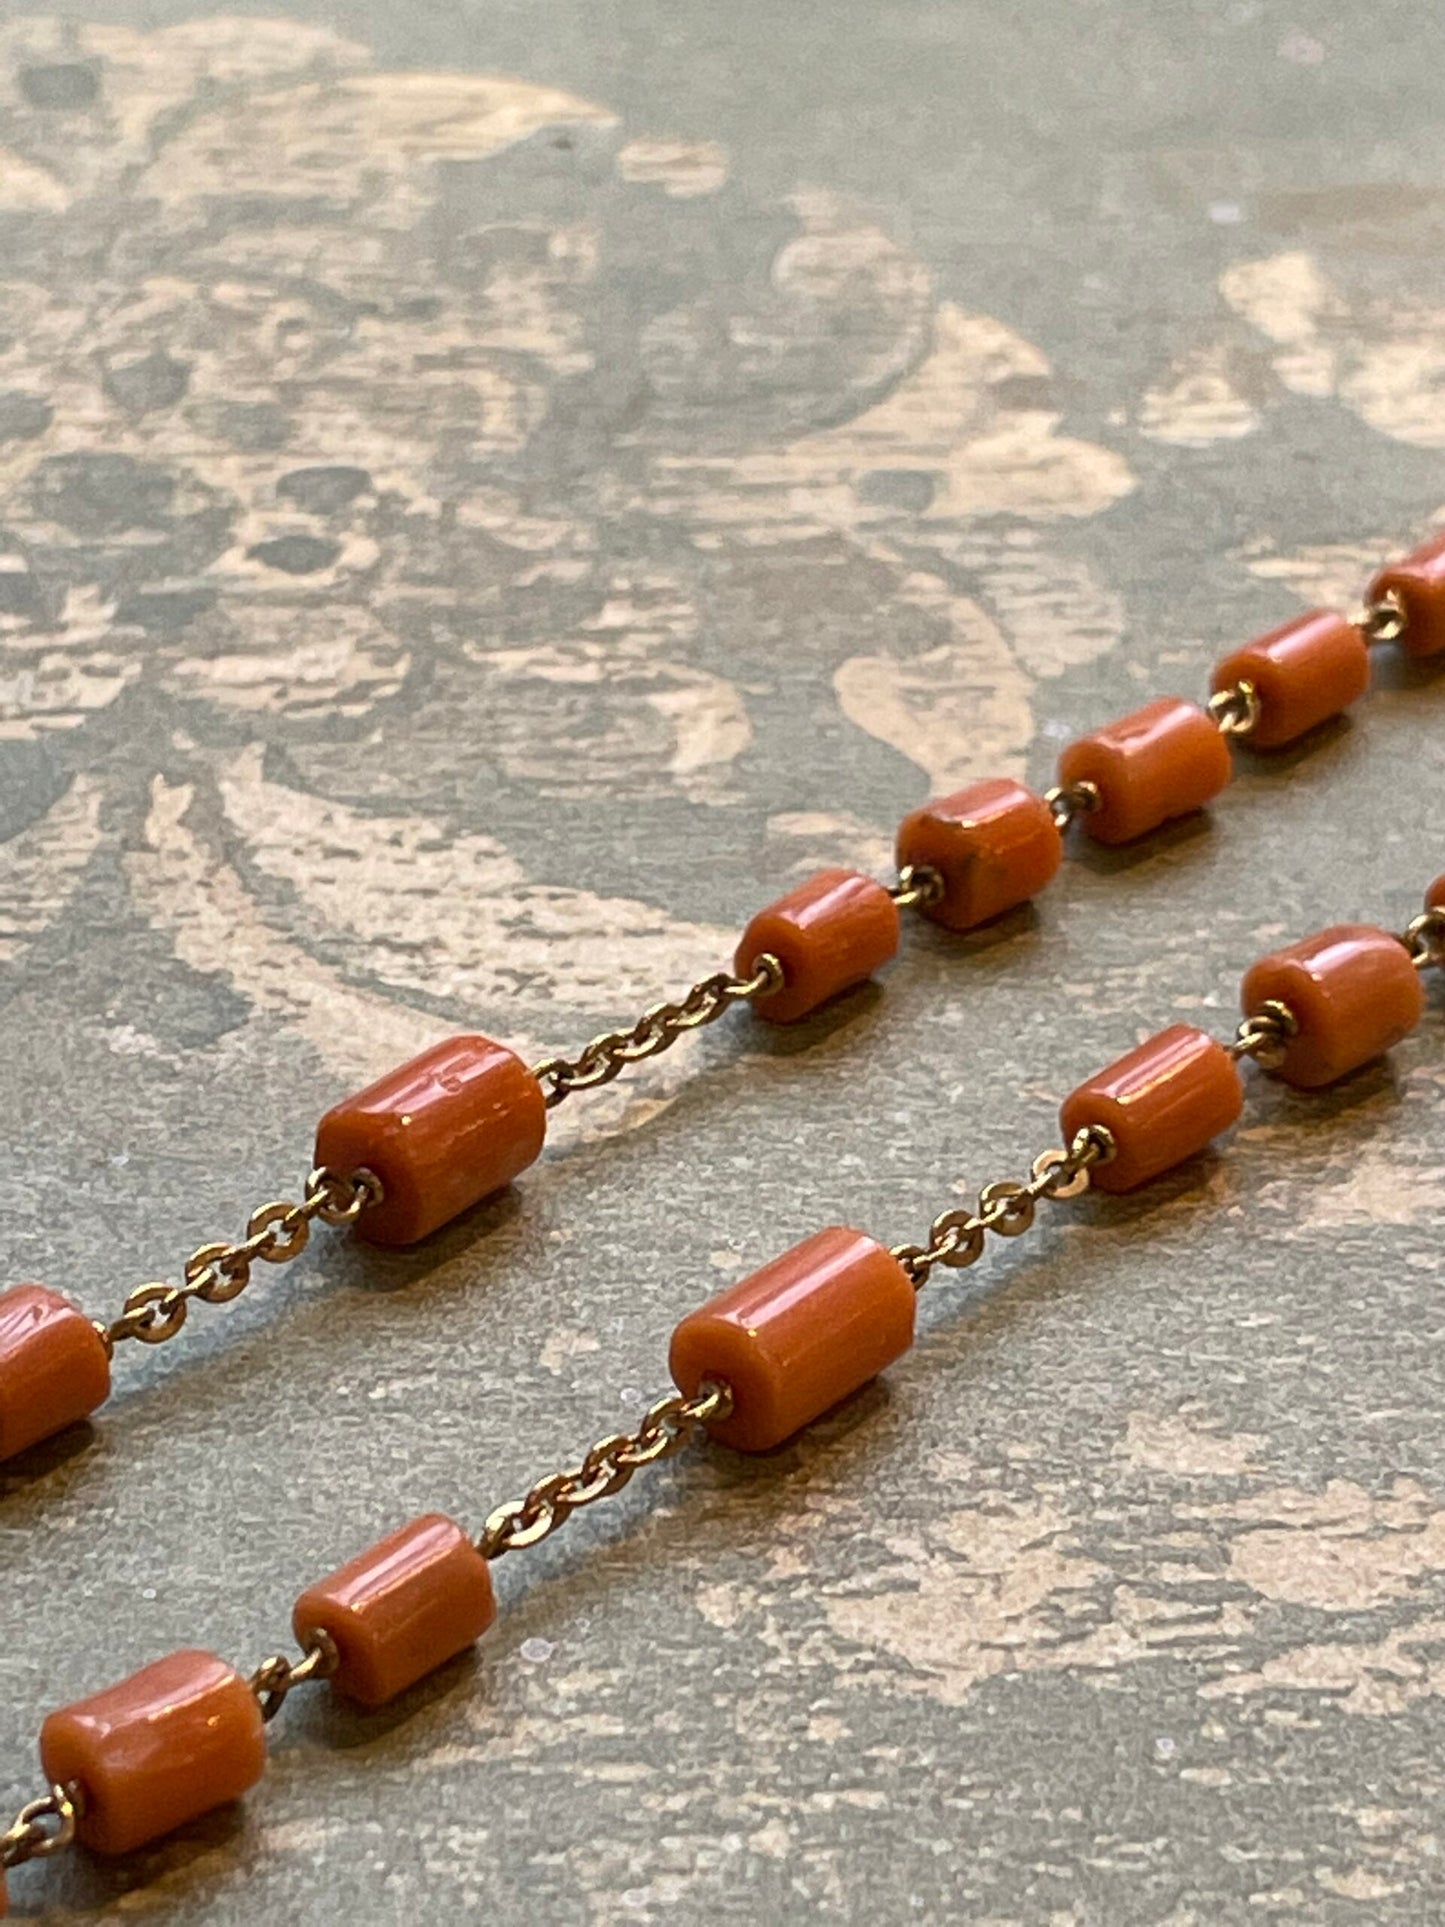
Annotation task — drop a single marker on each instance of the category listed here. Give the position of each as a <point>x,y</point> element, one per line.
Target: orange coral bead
<point>1352,991</point>
<point>797,1336</point>
<point>147,1755</point>
<point>400,1610</point>
<point>831,933</point>
<point>1160,1103</point>
<point>1304,672</point>
<point>441,1132</point>
<point>994,844</point>
<point>1417,582</point>
<point>1164,760</point>
<point>54,1367</point>
<point>1435,895</point>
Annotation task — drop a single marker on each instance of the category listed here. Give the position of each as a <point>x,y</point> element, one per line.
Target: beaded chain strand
<point>752,1366</point>
<point>434,1137</point>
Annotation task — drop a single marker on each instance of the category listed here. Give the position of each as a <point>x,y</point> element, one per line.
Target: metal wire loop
<point>1385,620</point>
<point>1264,1033</point>
<point>277,1676</point>
<point>1236,710</point>
<point>918,886</point>
<point>42,1827</point>
<point>1424,938</point>
<point>1069,801</point>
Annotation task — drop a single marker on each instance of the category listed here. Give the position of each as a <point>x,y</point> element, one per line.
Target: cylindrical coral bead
<point>993,845</point>
<point>54,1367</point>
<point>1435,895</point>
<point>1352,991</point>
<point>831,933</point>
<point>1159,1103</point>
<point>147,1755</point>
<point>1163,760</point>
<point>441,1132</point>
<point>1302,673</point>
<point>797,1336</point>
<point>1417,583</point>
<point>400,1610</point>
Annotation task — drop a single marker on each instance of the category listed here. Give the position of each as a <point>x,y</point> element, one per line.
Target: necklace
<point>751,1367</point>
<point>434,1137</point>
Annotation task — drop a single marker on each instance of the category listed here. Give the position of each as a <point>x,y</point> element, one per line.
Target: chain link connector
<point>1264,1035</point>
<point>42,1827</point>
<point>1236,710</point>
<point>277,1676</point>
<point>669,1424</point>
<point>956,1238</point>
<point>1424,938</point>
<point>608,1055</point>
<point>217,1273</point>
<point>918,885</point>
<point>1385,620</point>
<point>1069,801</point>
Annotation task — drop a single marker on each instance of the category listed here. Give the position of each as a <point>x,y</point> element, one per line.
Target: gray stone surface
<point>490,493</point>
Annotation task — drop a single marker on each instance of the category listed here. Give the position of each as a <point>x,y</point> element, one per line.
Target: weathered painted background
<point>487,494</point>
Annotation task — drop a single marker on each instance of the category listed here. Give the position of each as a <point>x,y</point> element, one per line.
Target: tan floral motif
<point>428,409</point>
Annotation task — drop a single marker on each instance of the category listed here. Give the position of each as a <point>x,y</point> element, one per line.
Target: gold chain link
<point>1069,801</point>
<point>956,1238</point>
<point>918,885</point>
<point>216,1273</point>
<point>607,1056</point>
<point>1235,710</point>
<point>1385,620</point>
<point>41,1828</point>
<point>274,1678</point>
<point>1264,1035</point>
<point>668,1425</point>
<point>1424,938</point>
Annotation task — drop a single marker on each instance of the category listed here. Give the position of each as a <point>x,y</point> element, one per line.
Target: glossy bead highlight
<point>54,1367</point>
<point>441,1132</point>
<point>1164,760</point>
<point>1353,993</point>
<point>1304,672</point>
<point>994,844</point>
<point>158,1749</point>
<point>830,934</point>
<point>1417,583</point>
<point>1160,1103</point>
<point>401,1609</point>
<point>796,1337</point>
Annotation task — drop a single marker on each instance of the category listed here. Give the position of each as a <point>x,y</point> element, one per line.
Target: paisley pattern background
<point>480,509</point>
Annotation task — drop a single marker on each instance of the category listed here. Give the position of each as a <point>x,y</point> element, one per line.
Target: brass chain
<point>956,1238</point>
<point>1264,1034</point>
<point>607,1056</point>
<point>1069,801</point>
<point>216,1273</point>
<point>41,1828</point>
<point>1235,710</point>
<point>1424,938</point>
<point>274,1678</point>
<point>668,1425</point>
<point>918,885</point>
<point>1385,620</point>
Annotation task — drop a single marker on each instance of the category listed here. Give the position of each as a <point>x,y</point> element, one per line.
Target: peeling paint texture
<point>489,496</point>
